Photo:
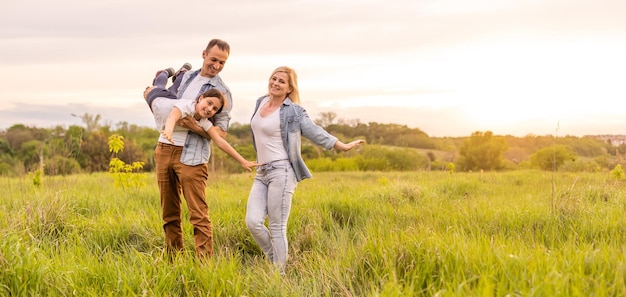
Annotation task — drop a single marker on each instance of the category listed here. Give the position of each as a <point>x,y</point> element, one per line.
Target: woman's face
<point>207,107</point>
<point>279,85</point>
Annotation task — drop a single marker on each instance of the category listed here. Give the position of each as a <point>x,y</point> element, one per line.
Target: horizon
<point>77,121</point>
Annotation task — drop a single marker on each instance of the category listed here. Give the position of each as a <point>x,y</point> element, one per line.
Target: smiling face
<point>279,85</point>
<point>214,60</point>
<point>207,107</point>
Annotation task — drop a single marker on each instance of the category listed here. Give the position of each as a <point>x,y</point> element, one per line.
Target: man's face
<point>214,60</point>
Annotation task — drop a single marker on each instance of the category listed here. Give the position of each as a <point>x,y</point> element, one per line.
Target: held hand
<point>247,165</point>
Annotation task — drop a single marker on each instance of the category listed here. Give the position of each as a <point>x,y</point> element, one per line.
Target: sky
<point>446,67</point>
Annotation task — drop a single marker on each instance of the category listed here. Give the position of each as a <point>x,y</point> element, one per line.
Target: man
<point>182,164</point>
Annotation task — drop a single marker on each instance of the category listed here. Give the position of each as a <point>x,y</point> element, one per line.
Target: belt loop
<point>270,165</point>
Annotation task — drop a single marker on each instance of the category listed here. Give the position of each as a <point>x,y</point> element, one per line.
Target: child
<point>159,82</point>
<point>167,112</point>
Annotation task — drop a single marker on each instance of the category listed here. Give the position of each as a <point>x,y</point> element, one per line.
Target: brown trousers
<point>172,177</point>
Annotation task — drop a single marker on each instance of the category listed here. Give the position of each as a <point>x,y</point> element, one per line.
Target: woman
<point>277,125</point>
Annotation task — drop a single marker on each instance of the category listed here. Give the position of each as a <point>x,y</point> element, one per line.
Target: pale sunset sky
<point>447,67</point>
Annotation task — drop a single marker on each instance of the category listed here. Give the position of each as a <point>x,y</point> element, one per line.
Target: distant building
<point>614,140</point>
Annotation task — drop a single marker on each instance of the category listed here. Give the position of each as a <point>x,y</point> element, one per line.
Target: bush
<point>618,172</point>
<point>327,164</point>
<point>382,158</point>
<point>551,158</point>
<point>61,166</point>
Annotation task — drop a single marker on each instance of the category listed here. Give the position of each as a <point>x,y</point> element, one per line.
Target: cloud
<point>442,60</point>
<point>47,116</point>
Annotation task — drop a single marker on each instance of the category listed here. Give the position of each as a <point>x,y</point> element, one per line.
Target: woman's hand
<point>348,146</point>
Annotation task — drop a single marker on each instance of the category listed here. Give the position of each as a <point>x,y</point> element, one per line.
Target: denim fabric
<point>160,91</point>
<point>270,197</point>
<point>197,149</point>
<point>223,118</point>
<point>295,123</point>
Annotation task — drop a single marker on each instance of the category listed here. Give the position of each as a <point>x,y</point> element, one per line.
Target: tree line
<point>83,149</point>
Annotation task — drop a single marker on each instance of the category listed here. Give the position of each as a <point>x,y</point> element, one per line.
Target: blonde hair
<point>294,95</point>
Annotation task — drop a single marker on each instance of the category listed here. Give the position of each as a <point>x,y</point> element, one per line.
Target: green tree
<point>91,121</point>
<point>125,175</point>
<point>326,119</point>
<point>139,144</point>
<point>96,149</point>
<point>482,151</point>
<point>17,134</point>
<point>30,152</point>
<point>61,165</point>
<point>10,166</point>
<point>74,137</point>
<point>551,158</point>
<point>5,148</point>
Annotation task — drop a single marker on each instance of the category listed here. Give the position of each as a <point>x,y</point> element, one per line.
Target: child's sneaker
<point>186,67</point>
<point>169,71</point>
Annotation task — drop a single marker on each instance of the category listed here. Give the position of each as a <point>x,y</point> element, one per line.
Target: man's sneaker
<point>186,67</point>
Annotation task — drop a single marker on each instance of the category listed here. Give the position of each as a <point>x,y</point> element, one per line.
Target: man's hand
<point>188,123</point>
<point>147,90</point>
<point>193,126</point>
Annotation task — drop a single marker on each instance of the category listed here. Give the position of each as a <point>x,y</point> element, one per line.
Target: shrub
<point>618,172</point>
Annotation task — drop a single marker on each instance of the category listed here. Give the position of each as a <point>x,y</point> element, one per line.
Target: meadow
<point>519,233</point>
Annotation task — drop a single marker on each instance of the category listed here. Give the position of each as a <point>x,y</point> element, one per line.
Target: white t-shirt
<point>161,107</point>
<point>190,95</point>
<point>269,143</point>
<point>193,89</point>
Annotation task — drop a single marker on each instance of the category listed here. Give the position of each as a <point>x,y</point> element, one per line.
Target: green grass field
<point>522,233</point>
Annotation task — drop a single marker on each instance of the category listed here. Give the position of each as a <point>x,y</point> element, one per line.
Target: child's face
<point>207,107</point>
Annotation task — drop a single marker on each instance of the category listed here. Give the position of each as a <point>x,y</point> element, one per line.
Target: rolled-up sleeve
<point>316,133</point>
<point>222,119</point>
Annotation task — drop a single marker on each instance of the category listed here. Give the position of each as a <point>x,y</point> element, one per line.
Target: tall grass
<point>351,234</point>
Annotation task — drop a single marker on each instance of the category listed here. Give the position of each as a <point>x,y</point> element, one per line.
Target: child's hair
<point>214,93</point>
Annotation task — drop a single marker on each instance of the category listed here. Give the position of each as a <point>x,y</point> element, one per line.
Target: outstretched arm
<point>348,146</point>
<point>214,132</point>
<point>171,120</point>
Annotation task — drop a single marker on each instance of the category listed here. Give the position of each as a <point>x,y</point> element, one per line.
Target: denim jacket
<point>223,118</point>
<point>197,150</point>
<point>294,123</point>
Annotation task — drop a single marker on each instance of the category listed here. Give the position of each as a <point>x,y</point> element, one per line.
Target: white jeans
<point>270,196</point>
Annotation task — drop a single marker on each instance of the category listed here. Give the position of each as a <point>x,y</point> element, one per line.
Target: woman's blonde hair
<point>294,95</point>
